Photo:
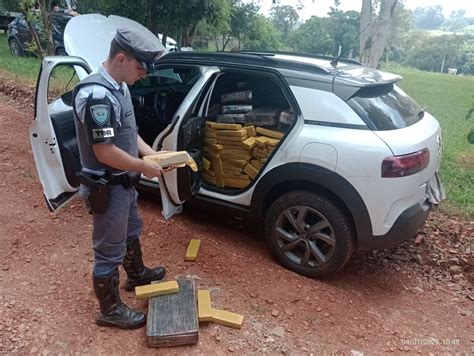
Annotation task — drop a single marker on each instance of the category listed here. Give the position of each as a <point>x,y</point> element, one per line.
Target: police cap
<point>137,45</point>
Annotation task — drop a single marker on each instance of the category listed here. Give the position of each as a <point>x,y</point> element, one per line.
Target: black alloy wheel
<point>309,234</point>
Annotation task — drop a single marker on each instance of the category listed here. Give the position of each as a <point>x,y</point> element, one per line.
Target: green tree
<point>428,52</point>
<point>284,18</point>
<point>242,19</point>
<point>429,18</point>
<point>9,5</point>
<point>312,37</point>
<point>263,36</point>
<point>343,28</point>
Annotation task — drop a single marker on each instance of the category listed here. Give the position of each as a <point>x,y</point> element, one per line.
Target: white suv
<point>353,166</point>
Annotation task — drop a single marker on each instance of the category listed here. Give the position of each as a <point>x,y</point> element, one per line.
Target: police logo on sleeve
<point>100,113</point>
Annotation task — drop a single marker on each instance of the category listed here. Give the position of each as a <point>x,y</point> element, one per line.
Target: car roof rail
<point>307,55</point>
<point>248,58</point>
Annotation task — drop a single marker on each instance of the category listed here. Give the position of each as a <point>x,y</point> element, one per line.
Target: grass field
<point>447,97</point>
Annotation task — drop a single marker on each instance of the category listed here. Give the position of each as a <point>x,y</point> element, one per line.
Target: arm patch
<point>99,121</point>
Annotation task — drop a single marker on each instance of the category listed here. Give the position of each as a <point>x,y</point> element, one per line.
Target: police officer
<point>110,148</point>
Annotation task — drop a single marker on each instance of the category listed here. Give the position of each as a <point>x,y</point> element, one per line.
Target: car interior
<point>251,112</point>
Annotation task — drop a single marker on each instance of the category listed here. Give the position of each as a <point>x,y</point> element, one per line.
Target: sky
<point>321,7</point>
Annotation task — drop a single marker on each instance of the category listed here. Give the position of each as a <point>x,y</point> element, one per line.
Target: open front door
<point>52,133</point>
<point>186,132</point>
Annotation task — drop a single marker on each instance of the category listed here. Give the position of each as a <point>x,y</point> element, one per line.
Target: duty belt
<point>128,180</point>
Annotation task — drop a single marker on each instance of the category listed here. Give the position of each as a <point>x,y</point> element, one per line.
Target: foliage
<point>243,17</point>
<point>343,28</point>
<point>9,5</point>
<point>312,37</point>
<point>132,9</point>
<point>263,36</point>
<point>428,18</point>
<point>284,18</point>
<point>427,52</point>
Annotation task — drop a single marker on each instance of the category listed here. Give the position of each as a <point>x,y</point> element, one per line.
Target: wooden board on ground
<point>172,319</point>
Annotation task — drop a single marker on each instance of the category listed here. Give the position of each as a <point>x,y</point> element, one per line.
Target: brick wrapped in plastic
<point>237,97</point>
<point>231,118</point>
<point>263,116</point>
<point>236,109</point>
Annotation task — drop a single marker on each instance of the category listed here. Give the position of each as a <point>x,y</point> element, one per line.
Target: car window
<point>170,76</point>
<point>385,107</point>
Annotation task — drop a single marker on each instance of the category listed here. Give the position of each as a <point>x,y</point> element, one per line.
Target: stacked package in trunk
<point>239,143</point>
<point>234,154</point>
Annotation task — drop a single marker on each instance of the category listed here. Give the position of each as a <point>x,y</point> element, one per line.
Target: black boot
<point>137,273</point>
<point>112,311</point>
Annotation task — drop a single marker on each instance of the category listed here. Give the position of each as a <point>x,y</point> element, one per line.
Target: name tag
<point>102,133</point>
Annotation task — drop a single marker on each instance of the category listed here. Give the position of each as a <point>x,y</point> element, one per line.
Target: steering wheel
<point>160,105</point>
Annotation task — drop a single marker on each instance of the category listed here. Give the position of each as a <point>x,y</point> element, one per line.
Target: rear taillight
<point>402,166</point>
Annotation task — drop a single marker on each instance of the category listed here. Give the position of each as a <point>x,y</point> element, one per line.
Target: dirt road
<point>416,298</point>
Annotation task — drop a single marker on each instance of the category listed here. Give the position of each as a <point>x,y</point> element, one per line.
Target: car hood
<point>89,37</point>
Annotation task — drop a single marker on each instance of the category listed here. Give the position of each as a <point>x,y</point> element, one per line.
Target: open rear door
<point>186,132</point>
<point>52,133</point>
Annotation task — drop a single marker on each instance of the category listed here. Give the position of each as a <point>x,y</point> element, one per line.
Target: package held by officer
<point>173,159</point>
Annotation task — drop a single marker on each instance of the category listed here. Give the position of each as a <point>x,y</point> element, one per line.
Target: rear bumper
<point>404,228</point>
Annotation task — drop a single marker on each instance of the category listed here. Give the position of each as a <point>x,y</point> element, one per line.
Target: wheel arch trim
<point>314,175</point>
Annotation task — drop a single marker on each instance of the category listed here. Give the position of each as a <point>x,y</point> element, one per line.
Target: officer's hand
<point>152,169</point>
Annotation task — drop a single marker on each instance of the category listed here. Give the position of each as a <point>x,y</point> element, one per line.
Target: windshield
<point>385,107</point>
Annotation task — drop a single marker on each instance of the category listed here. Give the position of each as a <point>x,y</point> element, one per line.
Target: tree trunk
<point>152,24</point>
<point>374,31</point>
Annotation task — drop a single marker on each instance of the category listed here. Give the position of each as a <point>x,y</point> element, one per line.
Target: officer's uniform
<point>104,114</point>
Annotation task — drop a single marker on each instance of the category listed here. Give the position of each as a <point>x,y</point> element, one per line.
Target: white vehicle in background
<point>171,44</point>
<point>355,166</point>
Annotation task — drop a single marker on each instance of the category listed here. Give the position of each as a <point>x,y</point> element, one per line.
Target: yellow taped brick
<point>256,164</point>
<point>206,163</point>
<point>211,154</point>
<point>227,151</point>
<point>217,164</point>
<point>193,249</point>
<point>232,133</point>
<point>251,171</point>
<point>270,133</point>
<point>208,179</point>
<point>216,147</point>
<point>215,125</point>
<point>237,176</point>
<point>226,318</point>
<point>249,143</point>
<point>210,140</point>
<point>240,157</point>
<point>236,183</point>
<point>152,290</point>
<point>251,131</point>
<point>231,139</point>
<point>236,162</point>
<point>204,305</point>
<point>210,135</point>
<point>232,170</point>
<point>209,172</point>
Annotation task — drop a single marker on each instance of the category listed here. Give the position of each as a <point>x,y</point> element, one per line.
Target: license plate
<point>435,190</point>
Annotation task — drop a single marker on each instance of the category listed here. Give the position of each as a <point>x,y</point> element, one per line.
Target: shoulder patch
<point>100,113</point>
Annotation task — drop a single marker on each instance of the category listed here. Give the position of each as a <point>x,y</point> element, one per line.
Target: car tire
<point>15,47</point>
<point>60,51</point>
<point>309,233</point>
